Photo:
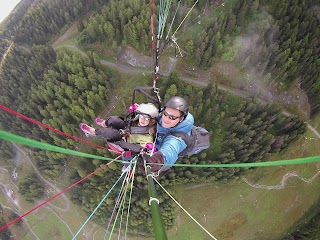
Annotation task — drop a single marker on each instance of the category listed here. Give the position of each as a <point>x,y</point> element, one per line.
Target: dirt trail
<point>72,29</point>
<point>25,156</point>
<point>283,181</point>
<point>244,94</point>
<point>30,228</point>
<point>130,60</point>
<point>10,196</point>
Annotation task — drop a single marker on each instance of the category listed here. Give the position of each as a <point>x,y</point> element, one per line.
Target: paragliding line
<point>48,127</point>
<point>184,209</point>
<point>122,199</point>
<point>185,17</point>
<point>173,20</point>
<point>152,24</point>
<point>53,197</point>
<point>97,207</point>
<point>25,141</point>
<point>116,206</point>
<point>130,197</point>
<point>29,142</point>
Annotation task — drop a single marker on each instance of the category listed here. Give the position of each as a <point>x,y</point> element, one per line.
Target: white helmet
<point>148,109</point>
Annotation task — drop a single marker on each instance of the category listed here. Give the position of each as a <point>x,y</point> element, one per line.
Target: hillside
<point>249,75</point>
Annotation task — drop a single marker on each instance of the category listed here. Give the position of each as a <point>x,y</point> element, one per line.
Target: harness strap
<point>142,89</point>
<point>185,137</point>
<point>138,130</point>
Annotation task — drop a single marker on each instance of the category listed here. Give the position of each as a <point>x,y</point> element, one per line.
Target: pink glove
<point>150,146</point>
<point>133,107</point>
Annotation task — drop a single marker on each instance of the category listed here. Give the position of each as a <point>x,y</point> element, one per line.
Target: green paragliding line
<point>45,146</point>
<point>32,143</point>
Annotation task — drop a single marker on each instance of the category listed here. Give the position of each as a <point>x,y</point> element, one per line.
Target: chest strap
<point>138,130</point>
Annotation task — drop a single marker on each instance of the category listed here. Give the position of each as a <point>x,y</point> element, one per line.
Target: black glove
<point>158,157</point>
<point>136,148</point>
<point>111,135</point>
<point>116,122</point>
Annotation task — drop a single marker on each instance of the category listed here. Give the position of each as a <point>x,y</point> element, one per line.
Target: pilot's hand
<point>157,158</point>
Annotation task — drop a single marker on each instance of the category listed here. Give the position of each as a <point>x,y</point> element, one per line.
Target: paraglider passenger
<point>115,129</point>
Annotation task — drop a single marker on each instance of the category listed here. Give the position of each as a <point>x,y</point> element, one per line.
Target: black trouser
<point>116,122</point>
<point>111,133</point>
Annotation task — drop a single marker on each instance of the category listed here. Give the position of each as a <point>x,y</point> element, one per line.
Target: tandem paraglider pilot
<point>174,118</point>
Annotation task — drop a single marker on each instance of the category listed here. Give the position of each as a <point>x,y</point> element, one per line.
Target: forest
<point>286,47</point>
<point>62,88</point>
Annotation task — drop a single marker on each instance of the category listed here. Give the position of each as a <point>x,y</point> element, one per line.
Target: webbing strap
<point>141,90</point>
<point>139,130</point>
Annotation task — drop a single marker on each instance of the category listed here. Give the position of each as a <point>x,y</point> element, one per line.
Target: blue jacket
<point>171,146</point>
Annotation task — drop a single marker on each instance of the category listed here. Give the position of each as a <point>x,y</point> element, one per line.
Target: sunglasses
<point>171,117</point>
<point>145,117</point>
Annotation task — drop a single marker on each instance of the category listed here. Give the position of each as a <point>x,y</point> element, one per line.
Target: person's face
<point>171,117</point>
<point>144,120</point>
